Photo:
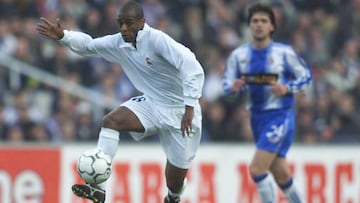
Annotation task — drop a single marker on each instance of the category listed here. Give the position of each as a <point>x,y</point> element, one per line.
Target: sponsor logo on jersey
<point>260,79</point>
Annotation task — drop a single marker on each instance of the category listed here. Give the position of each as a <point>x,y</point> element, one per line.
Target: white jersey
<point>159,67</point>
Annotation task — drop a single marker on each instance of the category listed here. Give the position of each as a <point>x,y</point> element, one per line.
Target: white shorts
<point>165,121</point>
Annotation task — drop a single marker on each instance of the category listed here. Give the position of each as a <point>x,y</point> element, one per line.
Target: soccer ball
<point>94,166</point>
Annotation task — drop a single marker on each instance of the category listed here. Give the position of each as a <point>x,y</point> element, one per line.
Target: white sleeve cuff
<point>66,38</point>
<point>189,101</point>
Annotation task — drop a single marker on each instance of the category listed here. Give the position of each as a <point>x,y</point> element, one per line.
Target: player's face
<point>129,26</point>
<point>261,26</point>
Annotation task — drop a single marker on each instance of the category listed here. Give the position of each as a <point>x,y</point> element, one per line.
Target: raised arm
<point>78,42</point>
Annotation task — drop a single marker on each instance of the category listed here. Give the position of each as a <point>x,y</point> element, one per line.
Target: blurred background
<point>51,95</point>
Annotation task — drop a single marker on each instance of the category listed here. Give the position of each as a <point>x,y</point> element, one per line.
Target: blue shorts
<point>273,130</point>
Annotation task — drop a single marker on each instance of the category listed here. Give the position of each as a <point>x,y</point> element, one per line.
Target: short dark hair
<point>264,8</point>
<point>132,6</point>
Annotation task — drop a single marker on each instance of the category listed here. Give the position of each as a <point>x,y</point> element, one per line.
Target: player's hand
<point>278,89</point>
<point>51,30</point>
<point>186,122</point>
<point>238,84</point>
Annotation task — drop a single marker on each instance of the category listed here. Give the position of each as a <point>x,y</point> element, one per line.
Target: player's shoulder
<point>156,37</point>
<point>156,33</point>
<point>241,50</point>
<point>161,39</point>
<point>282,47</point>
<point>110,38</point>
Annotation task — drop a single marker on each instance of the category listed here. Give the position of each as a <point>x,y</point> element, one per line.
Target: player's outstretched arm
<point>51,30</point>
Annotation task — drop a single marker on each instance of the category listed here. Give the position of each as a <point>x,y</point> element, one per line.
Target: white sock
<point>108,143</point>
<point>265,188</point>
<point>178,194</point>
<point>291,192</point>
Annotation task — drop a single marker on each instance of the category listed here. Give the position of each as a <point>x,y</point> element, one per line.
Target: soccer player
<point>171,80</point>
<point>270,73</point>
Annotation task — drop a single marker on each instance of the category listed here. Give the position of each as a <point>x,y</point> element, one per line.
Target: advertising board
<point>219,174</point>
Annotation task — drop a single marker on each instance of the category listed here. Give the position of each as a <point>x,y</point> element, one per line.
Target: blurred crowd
<point>325,33</point>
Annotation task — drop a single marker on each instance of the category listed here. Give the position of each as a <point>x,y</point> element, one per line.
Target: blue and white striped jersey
<point>275,62</point>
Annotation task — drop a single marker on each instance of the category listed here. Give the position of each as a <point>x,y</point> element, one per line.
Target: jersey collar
<point>142,32</point>
<point>139,37</point>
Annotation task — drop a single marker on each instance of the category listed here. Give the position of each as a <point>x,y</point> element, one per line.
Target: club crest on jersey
<point>270,61</point>
<point>148,61</point>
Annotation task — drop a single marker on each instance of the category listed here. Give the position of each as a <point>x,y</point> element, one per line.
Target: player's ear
<point>141,23</point>
<point>272,28</point>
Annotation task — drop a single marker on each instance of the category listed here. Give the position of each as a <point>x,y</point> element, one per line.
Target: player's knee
<point>281,174</point>
<point>281,181</point>
<point>282,177</point>
<point>109,122</point>
<point>256,171</point>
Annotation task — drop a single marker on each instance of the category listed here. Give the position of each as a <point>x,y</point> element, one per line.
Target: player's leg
<point>122,118</point>
<point>280,168</point>
<point>282,174</point>
<point>134,115</point>
<point>175,182</point>
<point>270,132</point>
<point>259,171</point>
<point>179,150</point>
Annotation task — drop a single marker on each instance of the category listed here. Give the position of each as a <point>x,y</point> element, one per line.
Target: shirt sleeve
<point>302,76</point>
<point>230,74</point>
<point>82,43</point>
<point>185,61</point>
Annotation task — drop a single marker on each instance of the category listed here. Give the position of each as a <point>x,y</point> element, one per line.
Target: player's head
<point>261,20</point>
<point>131,19</point>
